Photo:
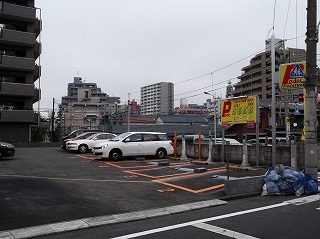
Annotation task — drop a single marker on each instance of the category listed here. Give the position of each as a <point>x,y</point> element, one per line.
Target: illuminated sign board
<point>239,110</point>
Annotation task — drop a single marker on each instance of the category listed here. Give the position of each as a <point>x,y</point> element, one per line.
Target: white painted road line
<point>223,231</point>
<point>299,201</point>
<point>191,223</point>
<point>304,200</point>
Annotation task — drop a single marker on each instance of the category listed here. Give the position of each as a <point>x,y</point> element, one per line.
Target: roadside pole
<point>310,119</point>
<point>257,130</point>
<point>273,101</point>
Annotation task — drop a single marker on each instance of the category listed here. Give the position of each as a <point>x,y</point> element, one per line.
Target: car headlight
<point>104,146</point>
<point>7,145</point>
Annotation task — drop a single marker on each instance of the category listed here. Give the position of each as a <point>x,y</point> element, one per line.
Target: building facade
<point>256,77</point>
<point>157,99</point>
<point>86,106</point>
<point>20,50</point>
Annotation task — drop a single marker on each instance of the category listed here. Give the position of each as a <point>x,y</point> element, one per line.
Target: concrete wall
<point>235,154</point>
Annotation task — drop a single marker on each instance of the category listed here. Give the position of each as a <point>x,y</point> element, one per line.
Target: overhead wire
<point>285,25</point>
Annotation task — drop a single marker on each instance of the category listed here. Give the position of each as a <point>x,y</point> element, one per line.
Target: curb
<point>90,222</point>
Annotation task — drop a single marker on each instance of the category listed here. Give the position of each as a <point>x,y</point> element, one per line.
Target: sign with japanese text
<point>292,75</point>
<point>239,111</point>
<point>250,124</point>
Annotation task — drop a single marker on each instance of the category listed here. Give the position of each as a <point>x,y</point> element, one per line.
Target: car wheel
<point>83,148</point>
<point>161,153</point>
<point>115,154</point>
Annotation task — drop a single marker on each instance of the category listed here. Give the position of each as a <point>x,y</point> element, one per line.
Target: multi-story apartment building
<point>256,77</point>
<point>157,99</point>
<point>86,106</point>
<point>20,50</point>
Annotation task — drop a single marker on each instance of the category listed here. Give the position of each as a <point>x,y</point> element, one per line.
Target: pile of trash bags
<point>283,180</point>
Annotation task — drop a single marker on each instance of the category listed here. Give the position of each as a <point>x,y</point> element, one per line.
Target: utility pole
<point>52,121</point>
<point>273,100</point>
<point>129,108</point>
<point>310,118</point>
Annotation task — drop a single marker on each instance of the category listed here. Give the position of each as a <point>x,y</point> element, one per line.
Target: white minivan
<point>138,144</point>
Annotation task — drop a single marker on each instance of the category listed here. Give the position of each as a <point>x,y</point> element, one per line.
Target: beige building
<point>256,77</point>
<point>86,106</point>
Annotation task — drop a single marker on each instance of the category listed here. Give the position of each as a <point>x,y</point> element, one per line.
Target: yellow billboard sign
<point>292,75</point>
<point>239,111</point>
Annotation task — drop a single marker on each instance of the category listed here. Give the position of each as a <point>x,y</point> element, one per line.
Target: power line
<point>285,25</point>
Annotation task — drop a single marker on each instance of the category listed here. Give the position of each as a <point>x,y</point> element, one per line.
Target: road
<point>248,218</point>
<point>47,186</point>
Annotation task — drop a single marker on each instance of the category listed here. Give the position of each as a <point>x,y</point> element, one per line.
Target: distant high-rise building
<point>86,106</point>
<point>256,77</point>
<point>157,99</point>
<point>20,50</point>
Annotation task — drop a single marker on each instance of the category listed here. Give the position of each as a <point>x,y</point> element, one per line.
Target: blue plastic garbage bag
<point>283,180</point>
<point>285,188</point>
<point>311,185</point>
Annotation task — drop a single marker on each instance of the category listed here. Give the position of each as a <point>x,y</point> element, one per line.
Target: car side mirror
<point>126,140</point>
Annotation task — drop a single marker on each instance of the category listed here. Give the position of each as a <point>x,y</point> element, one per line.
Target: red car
<point>81,136</point>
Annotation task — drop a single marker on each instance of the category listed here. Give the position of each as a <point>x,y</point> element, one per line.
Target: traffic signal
<point>301,97</point>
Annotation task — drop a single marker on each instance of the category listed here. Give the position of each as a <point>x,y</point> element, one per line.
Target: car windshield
<point>92,136</point>
<point>120,137</point>
<point>85,135</point>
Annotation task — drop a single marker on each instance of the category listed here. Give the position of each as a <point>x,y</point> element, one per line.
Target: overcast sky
<point>123,45</point>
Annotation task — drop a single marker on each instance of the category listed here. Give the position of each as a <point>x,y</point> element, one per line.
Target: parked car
<point>138,144</point>
<point>97,148</point>
<point>84,145</point>
<point>6,150</point>
<point>226,140</point>
<point>266,141</point>
<point>81,136</point>
<point>77,132</point>
<point>190,137</point>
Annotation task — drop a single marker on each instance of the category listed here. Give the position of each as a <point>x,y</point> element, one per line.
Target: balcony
<point>36,73</point>
<point>17,12</point>
<point>36,95</point>
<point>16,63</point>
<point>37,27</point>
<point>17,89</point>
<point>18,116</point>
<point>17,37</point>
<point>37,50</point>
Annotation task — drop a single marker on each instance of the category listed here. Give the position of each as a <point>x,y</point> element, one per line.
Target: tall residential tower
<point>157,99</point>
<point>20,49</point>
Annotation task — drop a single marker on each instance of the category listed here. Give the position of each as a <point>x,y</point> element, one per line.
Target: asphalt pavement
<point>49,190</point>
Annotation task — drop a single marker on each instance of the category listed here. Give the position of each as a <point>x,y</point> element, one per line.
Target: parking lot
<point>47,185</point>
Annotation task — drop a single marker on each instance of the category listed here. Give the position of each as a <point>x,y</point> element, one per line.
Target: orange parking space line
<point>190,175</point>
<point>188,189</point>
<point>127,167</point>
<point>149,176</point>
<point>210,188</point>
<point>84,157</point>
<point>148,166</point>
<point>172,176</point>
<point>140,174</point>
